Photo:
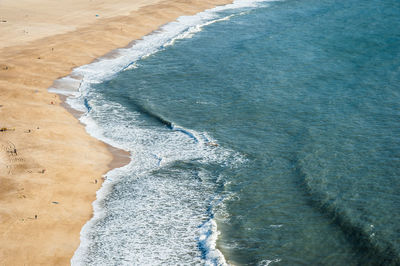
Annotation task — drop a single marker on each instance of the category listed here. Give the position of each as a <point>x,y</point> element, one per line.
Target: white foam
<point>131,66</point>
<point>195,29</point>
<point>150,150</point>
<point>184,27</point>
<point>268,262</point>
<point>99,212</point>
<point>208,241</point>
<point>276,225</point>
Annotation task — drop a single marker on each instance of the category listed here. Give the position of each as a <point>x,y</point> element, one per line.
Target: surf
<point>183,144</point>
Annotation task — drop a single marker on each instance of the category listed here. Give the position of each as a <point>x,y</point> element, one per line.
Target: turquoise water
<point>303,100</point>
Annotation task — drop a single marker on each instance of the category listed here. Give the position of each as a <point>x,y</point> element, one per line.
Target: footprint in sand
<point>10,161</point>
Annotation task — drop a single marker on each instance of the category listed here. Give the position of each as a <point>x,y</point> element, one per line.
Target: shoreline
<point>120,157</point>
<point>48,162</point>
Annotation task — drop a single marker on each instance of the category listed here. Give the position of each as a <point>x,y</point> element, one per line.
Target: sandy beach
<point>50,168</point>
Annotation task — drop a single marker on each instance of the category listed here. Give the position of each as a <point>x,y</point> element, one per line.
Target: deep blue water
<point>302,98</point>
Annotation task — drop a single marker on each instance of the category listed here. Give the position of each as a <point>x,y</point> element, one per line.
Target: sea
<point>260,133</point>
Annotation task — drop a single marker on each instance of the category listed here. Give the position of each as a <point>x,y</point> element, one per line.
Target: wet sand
<point>48,163</point>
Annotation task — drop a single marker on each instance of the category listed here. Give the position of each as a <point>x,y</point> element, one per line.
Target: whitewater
<point>129,226</point>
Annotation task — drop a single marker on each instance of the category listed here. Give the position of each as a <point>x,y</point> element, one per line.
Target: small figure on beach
<point>95,181</point>
<point>35,216</point>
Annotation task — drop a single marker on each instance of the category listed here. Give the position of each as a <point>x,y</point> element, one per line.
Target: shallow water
<point>302,98</point>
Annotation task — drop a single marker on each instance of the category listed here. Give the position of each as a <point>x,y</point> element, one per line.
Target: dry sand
<point>49,164</point>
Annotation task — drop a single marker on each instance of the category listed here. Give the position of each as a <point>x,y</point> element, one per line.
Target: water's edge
<point>73,86</point>
<point>120,157</point>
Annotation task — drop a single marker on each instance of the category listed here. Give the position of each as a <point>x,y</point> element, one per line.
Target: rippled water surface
<point>274,123</point>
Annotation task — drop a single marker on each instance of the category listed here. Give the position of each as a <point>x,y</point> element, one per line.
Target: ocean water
<point>261,133</point>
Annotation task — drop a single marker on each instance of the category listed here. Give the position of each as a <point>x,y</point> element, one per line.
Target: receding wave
<point>139,198</point>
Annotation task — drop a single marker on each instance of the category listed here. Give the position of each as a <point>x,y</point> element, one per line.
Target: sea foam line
<point>125,58</point>
<point>78,84</point>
